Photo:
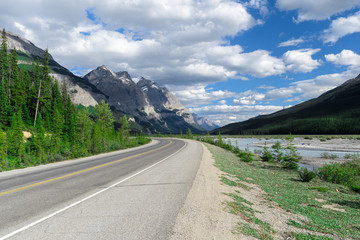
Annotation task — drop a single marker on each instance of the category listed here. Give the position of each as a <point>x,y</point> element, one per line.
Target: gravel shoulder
<point>204,214</point>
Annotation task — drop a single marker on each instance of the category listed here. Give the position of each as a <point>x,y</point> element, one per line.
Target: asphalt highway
<point>129,194</point>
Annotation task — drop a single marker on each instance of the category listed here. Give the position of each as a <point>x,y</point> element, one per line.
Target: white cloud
<point>258,63</point>
<point>261,5</point>
<point>346,57</point>
<point>193,96</point>
<point>225,114</point>
<point>342,27</point>
<point>301,60</point>
<point>316,10</point>
<point>291,42</point>
<point>311,88</point>
<point>222,102</point>
<point>251,99</point>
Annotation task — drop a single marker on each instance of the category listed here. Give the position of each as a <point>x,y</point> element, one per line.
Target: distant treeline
<point>40,124</point>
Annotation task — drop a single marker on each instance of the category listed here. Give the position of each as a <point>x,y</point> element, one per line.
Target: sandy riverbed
<point>340,145</point>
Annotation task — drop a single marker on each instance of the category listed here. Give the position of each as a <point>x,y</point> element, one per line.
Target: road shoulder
<point>204,215</point>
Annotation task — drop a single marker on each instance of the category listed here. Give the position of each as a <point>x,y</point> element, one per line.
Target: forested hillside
<point>40,124</point>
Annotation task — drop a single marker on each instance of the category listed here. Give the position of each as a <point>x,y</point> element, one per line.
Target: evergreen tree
<point>105,118</point>
<point>16,88</point>
<point>16,138</point>
<point>43,99</point>
<point>124,130</point>
<point>38,139</point>
<point>3,150</point>
<point>85,127</point>
<point>96,139</point>
<point>4,62</point>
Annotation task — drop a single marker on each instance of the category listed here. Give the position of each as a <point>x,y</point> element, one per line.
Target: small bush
<point>266,155</point>
<point>339,173</point>
<point>355,188</point>
<point>246,156</point>
<point>306,175</point>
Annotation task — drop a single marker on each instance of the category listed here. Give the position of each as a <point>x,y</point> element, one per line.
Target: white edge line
<point>87,198</point>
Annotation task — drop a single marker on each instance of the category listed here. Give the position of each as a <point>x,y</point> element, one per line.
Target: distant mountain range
<point>151,108</point>
<point>334,112</point>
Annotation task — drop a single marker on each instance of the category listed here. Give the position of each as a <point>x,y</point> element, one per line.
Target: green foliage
<point>306,175</point>
<point>246,156</point>
<point>288,155</point>
<point>347,173</point>
<point>189,134</point>
<point>266,155</point>
<point>329,156</point>
<point>3,150</point>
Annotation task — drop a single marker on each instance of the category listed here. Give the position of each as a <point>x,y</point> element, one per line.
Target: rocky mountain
<point>334,112</point>
<point>152,106</point>
<point>152,109</point>
<point>81,91</point>
<point>205,123</point>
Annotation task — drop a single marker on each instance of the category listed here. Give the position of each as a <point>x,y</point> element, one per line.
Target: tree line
<point>32,103</point>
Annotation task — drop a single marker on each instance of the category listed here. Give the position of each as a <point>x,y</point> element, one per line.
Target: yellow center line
<point>82,171</point>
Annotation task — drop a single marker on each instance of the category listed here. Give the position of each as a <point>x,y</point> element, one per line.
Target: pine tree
<point>38,139</point>
<point>16,138</point>
<point>124,130</point>
<point>16,87</point>
<point>4,62</point>
<point>85,126</point>
<point>44,89</point>
<point>3,150</point>
<point>4,74</point>
<point>105,118</point>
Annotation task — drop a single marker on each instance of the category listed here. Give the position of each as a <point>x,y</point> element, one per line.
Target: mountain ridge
<point>334,112</point>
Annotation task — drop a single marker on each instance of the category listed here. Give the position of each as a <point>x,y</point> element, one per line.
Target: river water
<point>250,143</point>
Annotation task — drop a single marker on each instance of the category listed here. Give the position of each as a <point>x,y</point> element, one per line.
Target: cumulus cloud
<point>224,114</point>
<point>173,42</point>
<point>345,57</point>
<point>197,95</point>
<point>311,88</point>
<point>316,10</point>
<point>301,60</point>
<point>341,27</point>
<point>251,99</point>
<point>258,63</point>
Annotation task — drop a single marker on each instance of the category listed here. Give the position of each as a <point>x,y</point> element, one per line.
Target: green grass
<point>285,188</point>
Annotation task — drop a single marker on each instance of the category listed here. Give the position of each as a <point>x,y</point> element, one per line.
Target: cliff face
<point>145,101</point>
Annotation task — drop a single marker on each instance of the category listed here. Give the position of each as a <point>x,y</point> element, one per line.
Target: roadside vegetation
<point>39,123</point>
<point>328,198</point>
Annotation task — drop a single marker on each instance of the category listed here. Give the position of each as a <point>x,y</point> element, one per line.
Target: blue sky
<point>225,60</point>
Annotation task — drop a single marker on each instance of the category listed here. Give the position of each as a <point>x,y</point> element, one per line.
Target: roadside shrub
<point>266,155</point>
<point>355,188</point>
<point>291,156</point>
<point>277,151</point>
<point>340,173</point>
<point>246,156</point>
<point>306,175</point>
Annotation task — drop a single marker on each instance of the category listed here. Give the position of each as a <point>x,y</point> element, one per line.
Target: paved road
<point>132,194</point>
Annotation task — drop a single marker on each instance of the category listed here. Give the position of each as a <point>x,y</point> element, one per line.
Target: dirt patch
<point>334,207</point>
